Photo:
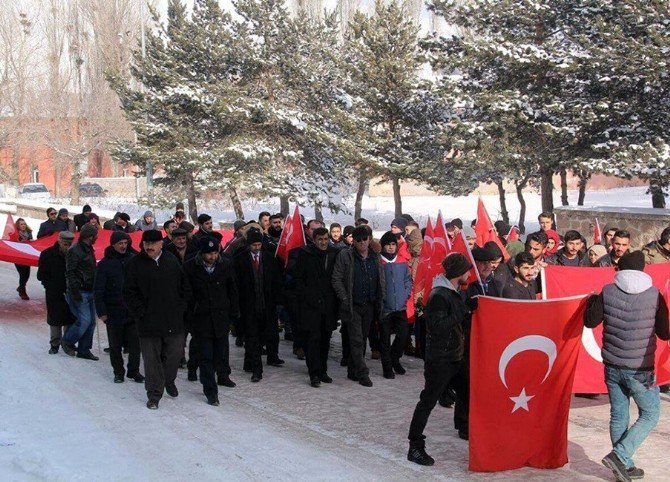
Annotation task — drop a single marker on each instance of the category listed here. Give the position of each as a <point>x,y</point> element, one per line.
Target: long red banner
<point>564,281</point>
<point>28,254</point>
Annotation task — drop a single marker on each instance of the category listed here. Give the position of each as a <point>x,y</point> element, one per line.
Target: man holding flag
<point>445,343</point>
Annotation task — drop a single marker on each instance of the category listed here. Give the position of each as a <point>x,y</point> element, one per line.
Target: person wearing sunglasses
<point>51,225</point>
<point>358,280</point>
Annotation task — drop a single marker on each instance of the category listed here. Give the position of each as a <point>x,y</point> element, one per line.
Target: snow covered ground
<point>64,419</point>
<point>380,210</point>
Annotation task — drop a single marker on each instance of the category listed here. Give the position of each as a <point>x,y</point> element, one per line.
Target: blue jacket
<point>398,285</point>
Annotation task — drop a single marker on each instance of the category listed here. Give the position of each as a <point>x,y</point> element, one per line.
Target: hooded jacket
<point>634,313</point>
<point>445,314</point>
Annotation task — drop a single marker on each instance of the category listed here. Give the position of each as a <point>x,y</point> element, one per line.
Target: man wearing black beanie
<point>445,314</point>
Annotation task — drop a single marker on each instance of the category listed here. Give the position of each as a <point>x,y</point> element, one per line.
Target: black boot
<point>152,404</point>
<point>192,375</point>
<point>226,382</point>
<point>137,377</point>
<point>315,382</point>
<point>53,350</point>
<point>388,372</point>
<point>68,348</point>
<point>118,378</point>
<point>397,367</point>
<point>171,390</point>
<point>419,456</point>
<point>213,401</point>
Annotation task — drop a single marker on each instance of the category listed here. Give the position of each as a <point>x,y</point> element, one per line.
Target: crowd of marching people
<point>183,280</point>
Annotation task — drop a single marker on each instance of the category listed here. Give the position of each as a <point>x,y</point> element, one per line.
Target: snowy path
<point>64,419</point>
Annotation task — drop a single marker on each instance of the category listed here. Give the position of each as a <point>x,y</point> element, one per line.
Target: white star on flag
<point>521,401</point>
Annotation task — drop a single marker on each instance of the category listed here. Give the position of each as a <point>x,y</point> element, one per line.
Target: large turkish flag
<point>561,281</point>
<point>523,356</point>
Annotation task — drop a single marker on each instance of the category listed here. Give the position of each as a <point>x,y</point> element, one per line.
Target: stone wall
<point>644,224</point>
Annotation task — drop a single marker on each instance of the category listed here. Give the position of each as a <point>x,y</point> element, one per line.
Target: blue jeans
<point>82,329</point>
<point>622,384</point>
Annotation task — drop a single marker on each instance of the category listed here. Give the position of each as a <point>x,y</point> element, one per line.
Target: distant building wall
<point>644,224</point>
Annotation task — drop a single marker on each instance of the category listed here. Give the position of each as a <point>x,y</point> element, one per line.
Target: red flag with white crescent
<point>521,373</point>
<point>421,280</point>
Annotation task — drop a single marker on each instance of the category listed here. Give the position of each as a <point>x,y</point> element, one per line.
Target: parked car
<point>34,190</point>
<point>91,189</point>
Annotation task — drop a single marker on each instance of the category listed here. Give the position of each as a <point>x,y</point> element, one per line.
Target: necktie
<point>256,263</point>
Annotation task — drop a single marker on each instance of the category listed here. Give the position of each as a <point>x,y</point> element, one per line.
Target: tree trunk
<point>583,181</point>
<point>547,191</point>
<point>503,203</point>
<point>75,181</point>
<point>564,187</point>
<point>397,199</point>
<point>283,205</point>
<point>657,194</point>
<point>522,203</point>
<point>191,199</point>
<point>318,213</point>
<point>362,185</point>
<point>237,204</point>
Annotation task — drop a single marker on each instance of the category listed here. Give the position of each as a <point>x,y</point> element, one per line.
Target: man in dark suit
<point>259,282</point>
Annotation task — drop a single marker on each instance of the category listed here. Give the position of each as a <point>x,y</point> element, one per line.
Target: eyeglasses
<point>360,239</point>
<point>52,213</point>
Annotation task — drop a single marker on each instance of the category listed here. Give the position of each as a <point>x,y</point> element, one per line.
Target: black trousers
<point>359,327</point>
<point>394,322</point>
<point>438,375</point>
<point>161,361</point>
<point>263,330</point>
<point>193,352</point>
<point>346,348</point>
<point>122,335</point>
<point>317,346</point>
<point>374,337</point>
<point>24,274</point>
<point>214,356</point>
<point>461,385</point>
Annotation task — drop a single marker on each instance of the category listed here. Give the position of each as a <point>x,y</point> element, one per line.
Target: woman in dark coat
<point>51,272</point>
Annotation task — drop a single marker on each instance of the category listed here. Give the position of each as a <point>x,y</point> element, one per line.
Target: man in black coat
<point>83,217</point>
<point>358,280</point>
<point>317,312</point>
<point>214,302</point>
<point>108,295</point>
<point>80,266</point>
<point>51,225</point>
<point>51,272</point>
<point>156,293</point>
<point>445,344</point>
<point>258,278</point>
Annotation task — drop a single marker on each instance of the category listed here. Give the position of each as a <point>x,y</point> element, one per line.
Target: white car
<point>34,190</point>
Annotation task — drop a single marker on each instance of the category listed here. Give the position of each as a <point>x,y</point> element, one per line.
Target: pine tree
<point>398,121</point>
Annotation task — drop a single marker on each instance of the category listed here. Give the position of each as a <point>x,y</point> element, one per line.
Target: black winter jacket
<point>190,253</point>
<point>79,269</point>
<point>316,296</point>
<point>156,294</point>
<point>215,299</point>
<point>445,314</point>
<point>272,285</point>
<point>108,286</point>
<point>51,272</point>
